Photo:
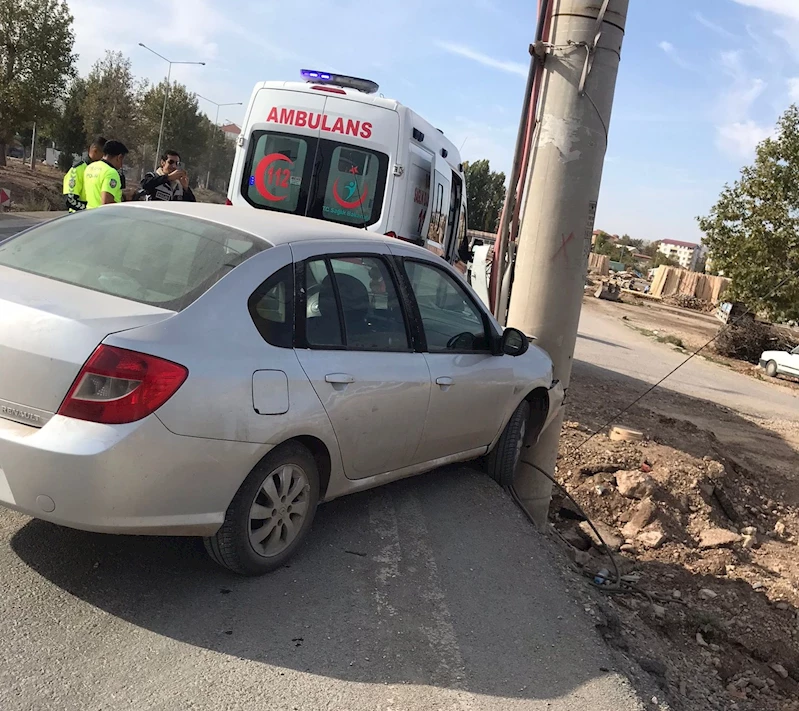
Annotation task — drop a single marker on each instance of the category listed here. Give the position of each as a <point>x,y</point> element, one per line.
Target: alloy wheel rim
<point>279,510</point>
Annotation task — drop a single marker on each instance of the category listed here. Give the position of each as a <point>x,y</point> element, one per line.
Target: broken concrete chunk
<point>613,541</point>
<point>575,537</point>
<point>718,538</point>
<point>652,539</point>
<point>706,594</point>
<point>643,516</point>
<point>623,434</point>
<point>634,485</point>
<point>781,670</point>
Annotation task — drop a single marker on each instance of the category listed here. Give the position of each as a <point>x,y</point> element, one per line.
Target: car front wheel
<point>771,369</point>
<point>501,462</point>
<point>270,514</point>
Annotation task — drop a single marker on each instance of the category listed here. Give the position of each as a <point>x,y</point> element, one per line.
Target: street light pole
<point>213,133</point>
<point>166,94</point>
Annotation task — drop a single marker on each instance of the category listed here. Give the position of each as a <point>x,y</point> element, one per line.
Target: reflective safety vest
<point>101,177</point>
<point>74,192</point>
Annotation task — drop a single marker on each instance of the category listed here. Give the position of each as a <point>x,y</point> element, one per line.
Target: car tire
<point>771,369</point>
<point>281,494</point>
<point>500,464</point>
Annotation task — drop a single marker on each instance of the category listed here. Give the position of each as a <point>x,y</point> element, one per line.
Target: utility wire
<point>726,326</point>
<point>618,585</point>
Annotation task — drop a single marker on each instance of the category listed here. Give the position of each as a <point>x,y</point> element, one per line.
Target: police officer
<point>103,180</point>
<point>74,192</point>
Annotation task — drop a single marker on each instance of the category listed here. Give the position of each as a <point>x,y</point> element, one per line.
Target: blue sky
<point>701,81</point>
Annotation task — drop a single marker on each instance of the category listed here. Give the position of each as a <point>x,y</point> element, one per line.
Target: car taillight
<point>116,386</point>
<point>227,201</point>
<point>391,234</point>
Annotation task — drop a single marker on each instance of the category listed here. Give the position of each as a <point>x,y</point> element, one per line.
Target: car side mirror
<point>514,342</point>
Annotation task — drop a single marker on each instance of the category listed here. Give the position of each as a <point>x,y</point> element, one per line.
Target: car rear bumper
<point>137,478</point>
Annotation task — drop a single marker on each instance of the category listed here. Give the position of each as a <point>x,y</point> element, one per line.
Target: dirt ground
<point>669,323</point>
<point>705,511</point>
<point>41,189</point>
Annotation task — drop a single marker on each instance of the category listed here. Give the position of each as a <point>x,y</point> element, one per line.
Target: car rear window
<point>146,255</point>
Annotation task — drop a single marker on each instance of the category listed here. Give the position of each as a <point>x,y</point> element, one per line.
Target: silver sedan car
<point>212,371</point>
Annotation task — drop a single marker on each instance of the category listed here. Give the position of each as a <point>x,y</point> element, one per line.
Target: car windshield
<point>145,255</point>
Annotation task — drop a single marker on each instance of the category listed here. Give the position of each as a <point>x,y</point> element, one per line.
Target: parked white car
<point>780,362</point>
<point>216,371</point>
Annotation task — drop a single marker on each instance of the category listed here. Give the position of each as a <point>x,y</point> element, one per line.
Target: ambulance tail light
<point>330,89</point>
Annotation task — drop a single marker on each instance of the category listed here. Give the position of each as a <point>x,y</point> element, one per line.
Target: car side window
<point>451,320</point>
<point>272,308</point>
<point>352,301</point>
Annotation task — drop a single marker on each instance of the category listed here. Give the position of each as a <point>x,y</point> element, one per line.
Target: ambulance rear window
<point>354,186</point>
<point>321,178</point>
<point>277,172</point>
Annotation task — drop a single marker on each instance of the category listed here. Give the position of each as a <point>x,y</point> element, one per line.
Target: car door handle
<point>339,378</point>
<point>444,382</point>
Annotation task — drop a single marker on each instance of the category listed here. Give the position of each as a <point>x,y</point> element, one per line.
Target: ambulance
<point>333,149</point>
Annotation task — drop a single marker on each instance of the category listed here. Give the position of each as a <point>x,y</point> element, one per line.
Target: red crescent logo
<point>260,174</point>
<point>349,205</point>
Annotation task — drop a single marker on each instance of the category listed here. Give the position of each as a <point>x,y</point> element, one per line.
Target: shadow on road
<point>434,581</point>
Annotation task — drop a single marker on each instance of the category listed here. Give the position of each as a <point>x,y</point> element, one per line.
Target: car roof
<point>273,227</point>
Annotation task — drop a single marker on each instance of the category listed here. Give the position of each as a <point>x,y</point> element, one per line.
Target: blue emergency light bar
<point>365,85</point>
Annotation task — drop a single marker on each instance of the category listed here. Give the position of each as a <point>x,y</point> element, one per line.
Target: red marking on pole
<point>563,242</point>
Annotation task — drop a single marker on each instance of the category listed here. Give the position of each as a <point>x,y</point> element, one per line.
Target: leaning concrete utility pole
<point>559,206</point>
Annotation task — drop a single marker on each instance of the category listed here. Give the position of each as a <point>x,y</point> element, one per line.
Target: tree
<point>752,232</point>
<point>36,62</point>
<point>112,98</point>
<point>69,132</point>
<point>185,129</point>
<point>485,192</point>
<point>663,260</point>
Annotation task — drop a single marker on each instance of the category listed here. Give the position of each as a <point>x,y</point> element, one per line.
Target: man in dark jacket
<point>169,182</point>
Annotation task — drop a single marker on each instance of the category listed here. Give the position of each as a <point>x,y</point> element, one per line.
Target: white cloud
<point>503,65</point>
<point>737,100</point>
<point>739,139</point>
<point>712,26</point>
<point>793,89</point>
<point>674,55</point>
<point>785,8</point>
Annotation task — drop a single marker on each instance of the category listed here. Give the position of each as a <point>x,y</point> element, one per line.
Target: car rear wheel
<point>271,513</point>
<point>502,460</point>
<point>771,369</point>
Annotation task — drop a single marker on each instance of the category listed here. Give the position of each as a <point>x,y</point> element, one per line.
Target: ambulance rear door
<point>357,151</point>
<point>282,135</point>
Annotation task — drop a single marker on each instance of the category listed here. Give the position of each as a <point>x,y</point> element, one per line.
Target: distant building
<point>686,254</point>
<point>231,131</point>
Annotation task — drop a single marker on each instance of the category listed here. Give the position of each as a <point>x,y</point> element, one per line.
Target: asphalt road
<point>606,342</point>
<point>11,224</point>
<point>433,593</point>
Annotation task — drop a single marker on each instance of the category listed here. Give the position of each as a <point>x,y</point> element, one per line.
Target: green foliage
<point>36,62</point>
<point>68,128</point>
<point>660,260</point>
<point>485,192</point>
<point>112,100</point>
<point>185,129</point>
<point>752,232</point>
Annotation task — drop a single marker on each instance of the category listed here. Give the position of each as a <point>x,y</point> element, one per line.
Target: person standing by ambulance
<point>103,180</point>
<point>74,192</point>
<point>169,183</point>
